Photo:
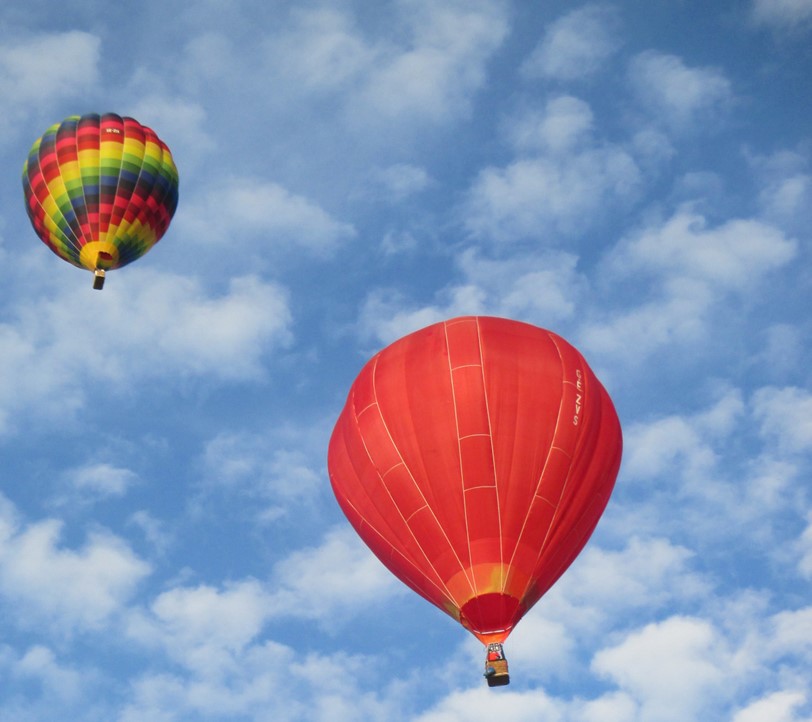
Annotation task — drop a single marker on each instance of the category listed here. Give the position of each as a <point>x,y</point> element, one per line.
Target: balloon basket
<point>496,666</point>
<point>98,279</point>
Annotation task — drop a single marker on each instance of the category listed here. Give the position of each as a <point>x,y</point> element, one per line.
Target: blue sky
<point>635,176</point>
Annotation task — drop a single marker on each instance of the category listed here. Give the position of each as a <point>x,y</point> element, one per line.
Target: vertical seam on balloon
<point>82,182</point>
<point>126,226</point>
<point>353,417</point>
<point>472,578</point>
<point>96,236</point>
<point>502,577</point>
<point>77,245</point>
<point>566,478</point>
<point>118,182</point>
<point>393,548</point>
<point>420,491</point>
<point>541,474</point>
<point>47,215</point>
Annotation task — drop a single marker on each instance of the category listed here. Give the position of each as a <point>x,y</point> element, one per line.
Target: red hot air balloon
<point>475,457</point>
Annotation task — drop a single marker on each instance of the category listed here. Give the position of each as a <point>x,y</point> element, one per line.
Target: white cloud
<point>785,194</point>
<point>398,182</point>
<point>283,221</point>
<point>101,479</point>
<point>564,123</point>
<point>692,267</point>
<point>539,198</point>
<point>42,69</point>
<point>805,549</point>
<point>144,324</point>
<point>782,14</point>
<point>268,681</point>
<point>728,256</point>
<point>538,288</point>
<point>204,627</point>
<point>611,707</point>
<point>775,707</point>
<point>657,447</point>
<point>324,50</point>
<point>436,76</point>
<point>576,45</point>
<point>676,669</point>
<point>338,576</point>
<point>39,663</point>
<point>430,75</point>
<point>785,416</point>
<point>680,97</point>
<point>603,587</point>
<point>181,124</point>
<point>45,582</point>
<point>156,532</point>
<point>790,632</point>
<point>482,705</point>
<point>267,469</point>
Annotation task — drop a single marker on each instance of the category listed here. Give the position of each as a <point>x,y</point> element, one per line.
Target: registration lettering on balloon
<point>579,386</point>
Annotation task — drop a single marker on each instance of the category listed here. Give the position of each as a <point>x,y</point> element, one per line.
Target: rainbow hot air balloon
<point>475,458</point>
<point>100,190</point>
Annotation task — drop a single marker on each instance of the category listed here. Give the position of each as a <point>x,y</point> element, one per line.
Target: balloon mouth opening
<point>99,255</point>
<point>491,617</point>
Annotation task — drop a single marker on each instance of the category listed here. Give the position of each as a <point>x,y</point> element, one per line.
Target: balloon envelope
<point>100,190</point>
<point>475,458</point>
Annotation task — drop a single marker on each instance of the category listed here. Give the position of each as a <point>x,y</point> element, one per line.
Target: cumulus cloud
<point>561,182</point>
<point>43,581</point>
<point>435,78</point>
<point>576,45</point>
<point>398,182</point>
<point>675,670</point>
<point>273,473</point>
<point>533,287</point>
<point>564,123</point>
<point>39,70</point>
<point>692,267</point>
<point>776,707</point>
<point>657,447</point>
<point>93,482</point>
<point>481,705</point>
<point>429,76</point>
<point>182,124</point>
<point>281,220</point>
<point>539,198</point>
<point>805,550</point>
<point>324,49</point>
<point>785,416</point>
<point>101,479</point>
<point>677,96</point>
<point>147,322</point>
<point>782,14</point>
<point>325,581</point>
<point>728,256</point>
<point>204,627</point>
<point>785,195</point>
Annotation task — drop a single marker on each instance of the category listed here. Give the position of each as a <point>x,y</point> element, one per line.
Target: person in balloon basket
<point>495,663</point>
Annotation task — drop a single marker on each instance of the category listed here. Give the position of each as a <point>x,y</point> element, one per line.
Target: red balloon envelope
<point>475,457</point>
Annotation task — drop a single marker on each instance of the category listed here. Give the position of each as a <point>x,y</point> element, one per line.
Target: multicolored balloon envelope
<point>475,458</point>
<point>100,190</point>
